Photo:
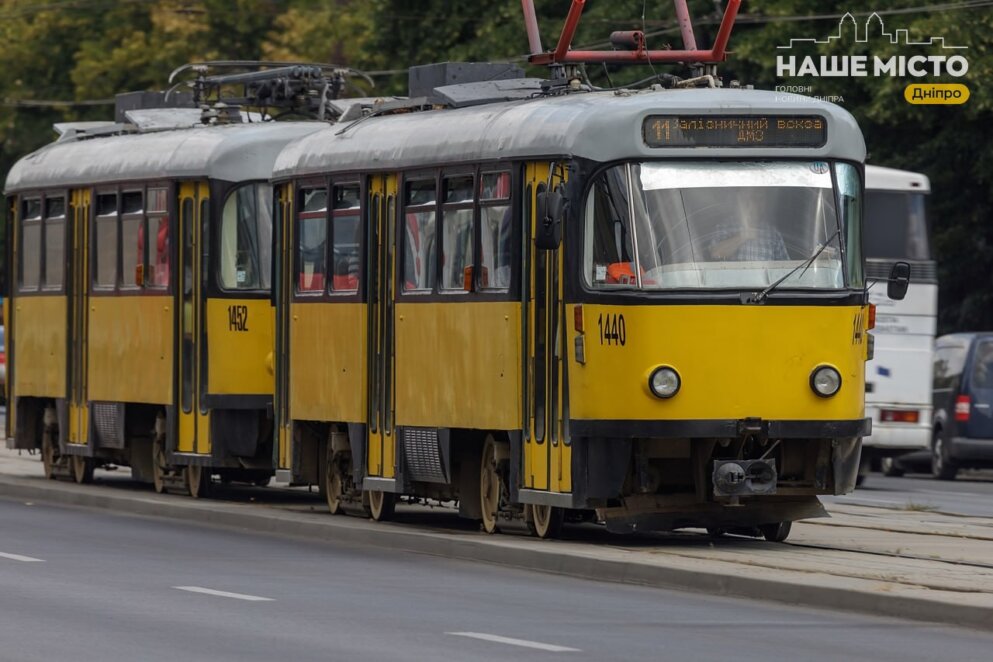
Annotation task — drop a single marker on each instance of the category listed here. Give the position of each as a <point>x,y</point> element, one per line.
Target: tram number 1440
<point>612,329</point>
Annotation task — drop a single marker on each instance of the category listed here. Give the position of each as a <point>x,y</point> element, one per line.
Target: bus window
<point>105,244</point>
<point>157,239</point>
<point>420,255</point>
<point>246,238</point>
<point>495,231</point>
<point>345,243</point>
<point>312,240</point>
<point>55,220</point>
<point>30,271</point>
<point>896,226</point>
<point>132,234</point>
<point>456,250</point>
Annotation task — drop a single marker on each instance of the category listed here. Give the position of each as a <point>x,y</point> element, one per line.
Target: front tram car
<point>645,307</point>
<point>140,329</point>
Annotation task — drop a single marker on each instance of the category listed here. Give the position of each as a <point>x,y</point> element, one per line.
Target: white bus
<point>898,379</point>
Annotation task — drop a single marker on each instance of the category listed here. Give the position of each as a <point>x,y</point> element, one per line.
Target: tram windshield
<point>723,225</point>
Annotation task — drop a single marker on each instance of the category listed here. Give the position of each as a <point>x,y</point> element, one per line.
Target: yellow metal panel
<point>240,346</point>
<point>458,365</point>
<point>734,361</point>
<point>40,346</point>
<point>327,362</point>
<point>130,349</point>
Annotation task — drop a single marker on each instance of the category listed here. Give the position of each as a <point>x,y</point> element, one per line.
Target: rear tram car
<point>140,319</point>
<point>647,305</point>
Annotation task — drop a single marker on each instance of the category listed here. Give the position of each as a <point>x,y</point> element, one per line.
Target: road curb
<point>524,554</point>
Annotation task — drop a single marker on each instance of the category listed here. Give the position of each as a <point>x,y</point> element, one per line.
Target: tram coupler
<point>735,478</point>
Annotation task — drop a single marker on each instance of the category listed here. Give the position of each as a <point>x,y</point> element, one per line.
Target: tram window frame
<point>131,213</point>
<point>433,207</point>
<point>301,215</point>
<point>506,202</point>
<point>455,282</point>
<point>106,219</point>
<point>157,197</point>
<point>264,246</point>
<point>60,220</point>
<point>336,215</point>
<point>30,221</point>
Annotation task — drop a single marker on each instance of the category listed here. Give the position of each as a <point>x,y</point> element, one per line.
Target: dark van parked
<point>963,403</point>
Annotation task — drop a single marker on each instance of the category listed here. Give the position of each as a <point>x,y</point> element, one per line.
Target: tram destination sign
<point>735,131</point>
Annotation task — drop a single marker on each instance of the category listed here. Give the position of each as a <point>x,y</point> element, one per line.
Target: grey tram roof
<point>604,126</point>
<point>234,152</point>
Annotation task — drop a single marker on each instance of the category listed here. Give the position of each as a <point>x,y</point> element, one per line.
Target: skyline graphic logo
<point>949,61</point>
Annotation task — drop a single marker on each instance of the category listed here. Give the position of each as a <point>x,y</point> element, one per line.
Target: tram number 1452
<point>612,329</point>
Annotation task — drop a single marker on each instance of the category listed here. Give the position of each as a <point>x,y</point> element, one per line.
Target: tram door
<point>78,284</point>
<point>381,278</point>
<point>547,454</point>
<point>193,418</point>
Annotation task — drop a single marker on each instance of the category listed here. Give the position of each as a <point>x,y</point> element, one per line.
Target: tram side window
<point>611,261</point>
<point>132,235</point>
<point>312,240</point>
<point>246,238</point>
<point>419,227</point>
<point>345,236</point>
<point>456,251</point>
<point>850,207</point>
<point>55,222</point>
<point>495,218</point>
<point>157,239</point>
<point>30,262</point>
<point>105,241</point>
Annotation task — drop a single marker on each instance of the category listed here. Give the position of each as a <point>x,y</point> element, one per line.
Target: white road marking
<point>18,557</point>
<point>552,648</point>
<point>223,594</point>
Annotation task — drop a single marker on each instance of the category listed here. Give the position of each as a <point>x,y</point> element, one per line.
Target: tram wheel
<point>546,521</point>
<point>197,479</point>
<point>489,486</point>
<point>777,532</point>
<point>158,466</point>
<point>82,469</point>
<point>333,487</point>
<point>49,455</point>
<point>382,505</point>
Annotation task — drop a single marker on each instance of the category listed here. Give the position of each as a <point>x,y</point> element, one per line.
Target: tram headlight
<point>825,381</point>
<point>664,382</point>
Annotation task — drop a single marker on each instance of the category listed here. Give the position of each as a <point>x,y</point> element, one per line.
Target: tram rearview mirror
<point>899,280</point>
<point>551,209</point>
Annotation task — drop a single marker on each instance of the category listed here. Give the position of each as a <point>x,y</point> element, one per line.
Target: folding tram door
<point>78,413</point>
<point>191,445</point>
<point>380,482</point>
<point>546,481</point>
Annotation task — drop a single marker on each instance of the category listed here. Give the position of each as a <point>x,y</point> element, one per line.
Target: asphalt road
<point>82,585</point>
<point>971,493</point>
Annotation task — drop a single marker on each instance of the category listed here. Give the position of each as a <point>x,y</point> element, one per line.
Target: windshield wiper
<point>761,296</point>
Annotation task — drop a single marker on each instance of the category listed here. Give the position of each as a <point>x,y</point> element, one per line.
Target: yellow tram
<point>646,307</point>
<point>140,326</point>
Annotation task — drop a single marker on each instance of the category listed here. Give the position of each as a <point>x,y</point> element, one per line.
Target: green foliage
<point>93,49</point>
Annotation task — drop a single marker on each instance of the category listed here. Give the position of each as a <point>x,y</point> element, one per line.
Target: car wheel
<point>942,466</point>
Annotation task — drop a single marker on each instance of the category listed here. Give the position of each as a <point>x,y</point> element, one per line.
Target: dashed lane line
<point>552,648</point>
<point>18,557</point>
<point>223,594</point>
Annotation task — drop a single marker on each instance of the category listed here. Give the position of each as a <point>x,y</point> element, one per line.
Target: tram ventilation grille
<point>422,453</point>
<point>107,421</point>
<point>920,272</point>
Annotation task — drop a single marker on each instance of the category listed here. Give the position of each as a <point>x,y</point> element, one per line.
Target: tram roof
<point>234,152</point>
<point>604,126</point>
<point>890,179</point>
